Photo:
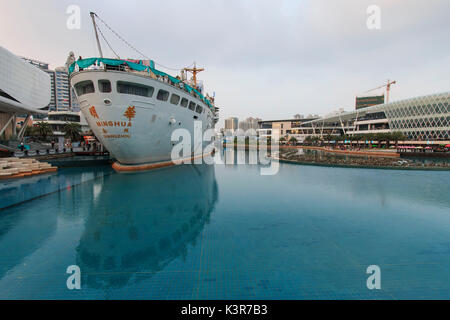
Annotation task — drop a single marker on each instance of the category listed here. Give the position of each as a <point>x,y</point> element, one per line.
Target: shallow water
<point>226,232</point>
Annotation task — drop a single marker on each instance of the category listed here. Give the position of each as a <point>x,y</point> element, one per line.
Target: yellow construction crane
<point>388,88</point>
<point>194,72</point>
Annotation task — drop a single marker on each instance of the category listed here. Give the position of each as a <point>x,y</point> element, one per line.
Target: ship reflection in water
<point>153,221</point>
<point>308,232</point>
<point>119,229</point>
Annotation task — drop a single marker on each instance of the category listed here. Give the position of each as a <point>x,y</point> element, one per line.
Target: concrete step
<point>16,168</point>
<point>12,170</point>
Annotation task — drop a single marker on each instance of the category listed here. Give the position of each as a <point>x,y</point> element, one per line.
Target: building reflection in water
<point>141,222</point>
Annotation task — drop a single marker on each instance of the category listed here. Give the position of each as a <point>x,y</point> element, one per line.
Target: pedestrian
<point>79,59</point>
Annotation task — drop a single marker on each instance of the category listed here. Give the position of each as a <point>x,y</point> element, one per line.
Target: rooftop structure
<point>368,101</point>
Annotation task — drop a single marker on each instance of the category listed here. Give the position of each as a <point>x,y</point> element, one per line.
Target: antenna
<point>96,34</point>
<point>194,71</point>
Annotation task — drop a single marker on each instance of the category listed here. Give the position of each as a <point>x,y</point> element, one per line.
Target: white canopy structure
<point>23,87</point>
<point>24,90</point>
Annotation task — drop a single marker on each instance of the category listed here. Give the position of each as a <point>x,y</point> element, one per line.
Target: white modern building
<point>24,90</point>
<point>63,97</point>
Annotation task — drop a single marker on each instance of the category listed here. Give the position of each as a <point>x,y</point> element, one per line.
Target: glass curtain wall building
<point>424,118</point>
<point>421,118</point>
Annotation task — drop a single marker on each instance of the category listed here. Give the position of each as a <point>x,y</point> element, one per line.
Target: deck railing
<point>128,66</point>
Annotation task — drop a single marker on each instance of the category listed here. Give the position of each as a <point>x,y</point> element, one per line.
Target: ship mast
<point>96,34</point>
<point>194,71</point>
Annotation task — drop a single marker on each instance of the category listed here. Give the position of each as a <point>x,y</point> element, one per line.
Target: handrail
<point>86,63</point>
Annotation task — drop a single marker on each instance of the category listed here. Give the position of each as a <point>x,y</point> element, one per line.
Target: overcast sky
<point>267,59</point>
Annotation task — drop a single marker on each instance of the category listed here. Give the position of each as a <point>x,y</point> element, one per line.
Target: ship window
<point>163,95</point>
<point>191,106</point>
<point>184,102</point>
<point>199,109</point>
<point>84,87</point>
<point>134,88</point>
<point>104,85</point>
<point>174,99</point>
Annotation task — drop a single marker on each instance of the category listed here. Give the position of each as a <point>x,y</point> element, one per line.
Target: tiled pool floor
<point>226,232</point>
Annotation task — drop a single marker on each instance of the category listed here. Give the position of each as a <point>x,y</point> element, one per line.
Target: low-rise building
<point>287,127</point>
<point>231,124</point>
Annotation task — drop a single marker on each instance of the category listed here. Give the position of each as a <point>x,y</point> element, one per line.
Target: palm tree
<point>293,140</point>
<point>31,131</point>
<point>43,130</point>
<point>307,140</point>
<point>328,138</point>
<point>72,131</point>
<point>315,140</point>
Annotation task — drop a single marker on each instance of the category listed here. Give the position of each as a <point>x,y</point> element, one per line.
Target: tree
<point>72,131</point>
<point>293,140</point>
<point>307,140</point>
<point>352,138</point>
<point>315,140</point>
<point>340,138</point>
<point>358,138</point>
<point>397,136</point>
<point>31,131</point>
<point>369,137</point>
<point>379,137</point>
<point>43,130</point>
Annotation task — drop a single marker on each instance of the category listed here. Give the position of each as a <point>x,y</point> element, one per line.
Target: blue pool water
<point>226,232</point>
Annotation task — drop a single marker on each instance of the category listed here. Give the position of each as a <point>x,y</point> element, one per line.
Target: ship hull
<point>137,129</point>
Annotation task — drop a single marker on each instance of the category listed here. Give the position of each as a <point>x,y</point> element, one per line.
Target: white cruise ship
<point>133,108</point>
